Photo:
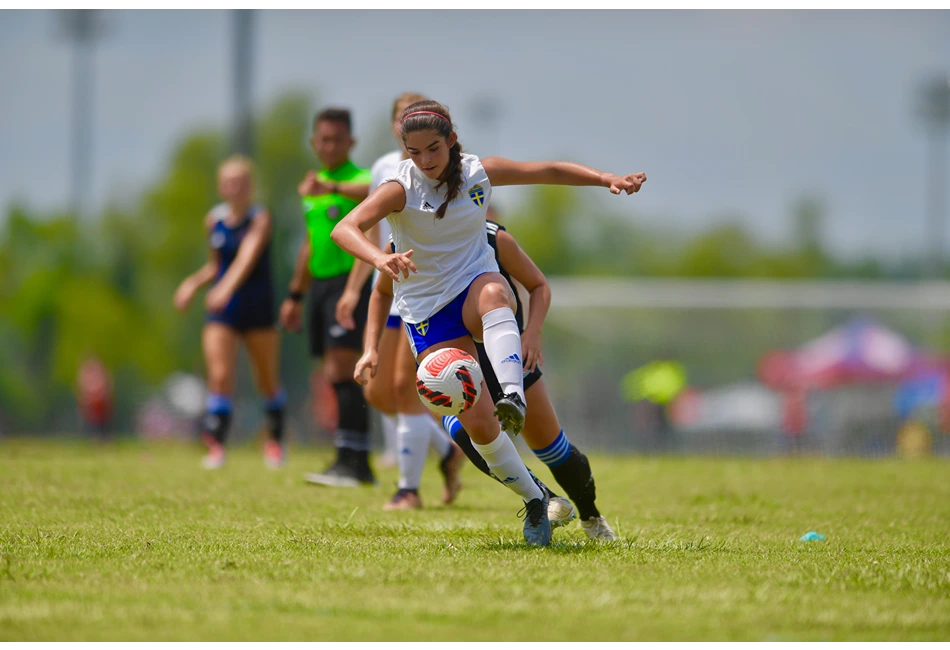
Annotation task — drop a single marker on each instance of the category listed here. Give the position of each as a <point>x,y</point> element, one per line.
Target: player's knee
<point>380,397</point>
<point>495,296</point>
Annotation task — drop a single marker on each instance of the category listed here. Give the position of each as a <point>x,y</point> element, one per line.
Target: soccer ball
<point>449,381</point>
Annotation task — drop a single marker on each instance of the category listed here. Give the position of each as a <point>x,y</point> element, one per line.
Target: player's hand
<point>291,315</point>
<point>396,263</point>
<point>345,307</point>
<point>531,350</point>
<point>313,186</point>
<point>368,362</point>
<point>183,296</point>
<point>218,298</point>
<point>630,183</point>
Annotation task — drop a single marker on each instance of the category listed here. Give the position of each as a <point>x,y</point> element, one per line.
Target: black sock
<point>344,456</point>
<point>353,429</point>
<point>217,424</point>
<point>574,475</point>
<point>359,458</point>
<point>275,424</point>
<point>274,414</point>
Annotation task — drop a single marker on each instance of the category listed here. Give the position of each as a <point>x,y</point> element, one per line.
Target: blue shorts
<point>251,308</point>
<point>444,325</point>
<point>393,322</point>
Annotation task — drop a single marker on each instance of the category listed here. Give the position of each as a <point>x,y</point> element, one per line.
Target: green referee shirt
<point>322,213</point>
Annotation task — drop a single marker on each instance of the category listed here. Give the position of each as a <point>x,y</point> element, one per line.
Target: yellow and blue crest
<point>422,327</point>
<point>477,194</point>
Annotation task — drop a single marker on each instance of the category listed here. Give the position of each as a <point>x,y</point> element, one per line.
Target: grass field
<point>137,542</point>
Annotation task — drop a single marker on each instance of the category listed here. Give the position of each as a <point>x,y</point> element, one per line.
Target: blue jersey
<point>252,305</point>
<point>226,240</point>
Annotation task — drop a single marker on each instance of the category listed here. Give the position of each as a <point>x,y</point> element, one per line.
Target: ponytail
<point>452,179</point>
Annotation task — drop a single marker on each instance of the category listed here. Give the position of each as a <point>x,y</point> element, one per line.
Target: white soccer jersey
<point>449,252</point>
<point>383,168</point>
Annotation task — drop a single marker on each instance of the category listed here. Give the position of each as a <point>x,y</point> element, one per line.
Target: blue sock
<point>218,404</point>
<point>217,420</point>
<point>555,453</point>
<point>277,402</point>
<point>452,425</point>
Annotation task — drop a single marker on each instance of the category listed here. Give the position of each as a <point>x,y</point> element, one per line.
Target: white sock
<point>439,440</point>
<point>413,447</point>
<point>506,464</point>
<point>390,438</point>
<point>503,345</point>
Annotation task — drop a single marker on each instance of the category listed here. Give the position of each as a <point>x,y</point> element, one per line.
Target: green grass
<point>137,542</point>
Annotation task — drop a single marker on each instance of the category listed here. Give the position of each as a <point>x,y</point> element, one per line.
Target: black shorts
<point>494,388</point>
<point>322,329</point>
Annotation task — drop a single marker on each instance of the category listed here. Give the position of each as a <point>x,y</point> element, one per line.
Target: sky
<point>733,115</point>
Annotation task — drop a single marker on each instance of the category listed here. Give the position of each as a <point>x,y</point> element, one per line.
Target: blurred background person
<point>652,388</point>
<point>240,309</point>
<point>96,398</point>
<point>339,292</point>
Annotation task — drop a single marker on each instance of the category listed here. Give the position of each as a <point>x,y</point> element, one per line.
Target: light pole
<point>242,138</point>
<point>934,109</point>
<point>83,27</point>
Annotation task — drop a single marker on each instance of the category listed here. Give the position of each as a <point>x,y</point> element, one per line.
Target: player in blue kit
<point>240,309</point>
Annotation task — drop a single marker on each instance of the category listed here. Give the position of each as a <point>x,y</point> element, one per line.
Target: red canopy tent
<point>860,351</point>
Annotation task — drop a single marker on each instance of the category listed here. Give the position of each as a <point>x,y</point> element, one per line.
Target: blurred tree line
<point>72,288</point>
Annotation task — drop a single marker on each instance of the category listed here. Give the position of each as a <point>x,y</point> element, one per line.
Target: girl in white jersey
<point>408,427</point>
<point>448,288</point>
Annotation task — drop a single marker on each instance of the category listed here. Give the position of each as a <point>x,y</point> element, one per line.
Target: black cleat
<point>510,411</point>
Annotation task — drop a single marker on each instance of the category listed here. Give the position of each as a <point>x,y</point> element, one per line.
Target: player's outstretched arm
<point>208,271</point>
<point>380,303</point>
<point>502,171</point>
<point>523,269</point>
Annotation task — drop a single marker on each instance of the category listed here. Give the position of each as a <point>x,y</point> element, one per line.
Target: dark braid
<point>452,177</point>
<point>435,117</point>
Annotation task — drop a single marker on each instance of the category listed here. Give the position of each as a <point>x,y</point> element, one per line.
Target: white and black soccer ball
<point>449,381</point>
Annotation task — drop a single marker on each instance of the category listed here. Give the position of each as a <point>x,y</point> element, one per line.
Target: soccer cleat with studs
<point>510,411</point>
